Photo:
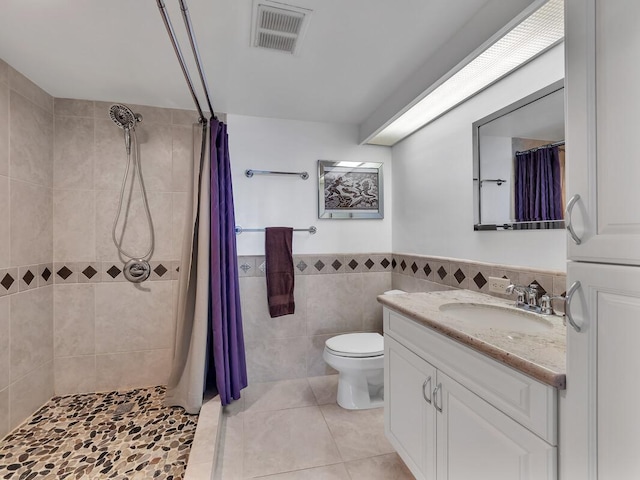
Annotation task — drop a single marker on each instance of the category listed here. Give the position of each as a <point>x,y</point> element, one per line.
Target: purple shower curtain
<point>538,188</point>
<point>227,370</point>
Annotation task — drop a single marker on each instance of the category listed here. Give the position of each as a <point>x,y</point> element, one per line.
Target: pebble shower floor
<point>114,435</point>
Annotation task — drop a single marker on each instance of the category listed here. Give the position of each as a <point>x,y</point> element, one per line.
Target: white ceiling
<point>355,54</point>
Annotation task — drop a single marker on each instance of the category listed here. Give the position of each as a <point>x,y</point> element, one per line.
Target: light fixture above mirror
<point>535,30</point>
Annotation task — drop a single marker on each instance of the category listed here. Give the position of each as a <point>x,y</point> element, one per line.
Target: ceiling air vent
<point>278,26</point>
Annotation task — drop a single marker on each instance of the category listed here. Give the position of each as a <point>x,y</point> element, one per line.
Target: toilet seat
<point>356,345</point>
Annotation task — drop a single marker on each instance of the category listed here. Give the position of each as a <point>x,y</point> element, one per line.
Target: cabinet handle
<point>435,396</point>
<point>567,216</point>
<point>567,305</point>
<point>424,390</point>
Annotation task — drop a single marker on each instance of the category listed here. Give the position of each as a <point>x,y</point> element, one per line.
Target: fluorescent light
<point>536,33</point>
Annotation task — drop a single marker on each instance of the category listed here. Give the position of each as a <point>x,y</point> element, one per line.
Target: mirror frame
<point>555,224</point>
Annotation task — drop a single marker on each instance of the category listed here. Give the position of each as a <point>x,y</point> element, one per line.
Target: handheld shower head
<point>124,117</point>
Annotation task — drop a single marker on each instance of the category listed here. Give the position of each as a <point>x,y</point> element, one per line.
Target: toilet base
<point>358,391</point>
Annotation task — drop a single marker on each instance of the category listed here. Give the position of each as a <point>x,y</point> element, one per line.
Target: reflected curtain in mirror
<point>538,185</point>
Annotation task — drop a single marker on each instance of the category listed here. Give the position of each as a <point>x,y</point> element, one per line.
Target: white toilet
<point>359,360</point>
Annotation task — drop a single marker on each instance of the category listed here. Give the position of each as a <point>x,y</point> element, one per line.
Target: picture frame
<point>350,190</point>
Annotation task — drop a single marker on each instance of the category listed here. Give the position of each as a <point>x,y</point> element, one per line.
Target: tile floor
<point>85,437</point>
<point>294,430</point>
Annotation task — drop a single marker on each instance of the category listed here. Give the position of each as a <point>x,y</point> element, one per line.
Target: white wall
<point>290,145</point>
<point>496,162</point>
<point>432,182</point>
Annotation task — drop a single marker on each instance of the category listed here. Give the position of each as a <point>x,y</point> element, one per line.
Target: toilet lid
<point>357,345</point>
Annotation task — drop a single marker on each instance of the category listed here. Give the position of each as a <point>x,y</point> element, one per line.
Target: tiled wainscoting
<point>334,294</point>
<point>419,273</point>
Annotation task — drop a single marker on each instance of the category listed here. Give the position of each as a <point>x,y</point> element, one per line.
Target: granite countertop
<point>541,354</point>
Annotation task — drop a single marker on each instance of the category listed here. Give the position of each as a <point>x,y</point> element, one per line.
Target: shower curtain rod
<point>196,54</point>
<point>548,145</point>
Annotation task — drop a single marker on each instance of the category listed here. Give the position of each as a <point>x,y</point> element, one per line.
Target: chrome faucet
<point>529,298</point>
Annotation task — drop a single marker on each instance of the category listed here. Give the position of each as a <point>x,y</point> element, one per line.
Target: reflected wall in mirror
<point>519,164</point>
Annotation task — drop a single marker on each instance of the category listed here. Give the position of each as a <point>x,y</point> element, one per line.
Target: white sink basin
<point>493,316</point>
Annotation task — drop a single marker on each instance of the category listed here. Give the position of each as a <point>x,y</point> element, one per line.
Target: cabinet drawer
<point>527,401</point>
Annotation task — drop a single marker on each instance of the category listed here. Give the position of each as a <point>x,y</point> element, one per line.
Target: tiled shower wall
<point>26,293</point>
<point>109,333</point>
<point>334,294</point>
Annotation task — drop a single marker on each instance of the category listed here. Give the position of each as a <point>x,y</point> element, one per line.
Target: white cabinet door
<point>409,418</point>
<point>600,426</point>
<point>603,144</point>
<point>477,441</point>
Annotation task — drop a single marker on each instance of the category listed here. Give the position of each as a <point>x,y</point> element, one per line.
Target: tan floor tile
<point>383,467</point>
<point>286,440</point>
<point>358,433</point>
<point>261,397</point>
<point>332,472</point>
<point>325,388</point>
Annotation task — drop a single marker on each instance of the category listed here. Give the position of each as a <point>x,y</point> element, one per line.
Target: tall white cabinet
<point>599,420</point>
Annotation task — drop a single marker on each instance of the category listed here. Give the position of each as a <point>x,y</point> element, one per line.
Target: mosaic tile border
<point>28,277</point>
<point>457,273</point>
<point>325,264</point>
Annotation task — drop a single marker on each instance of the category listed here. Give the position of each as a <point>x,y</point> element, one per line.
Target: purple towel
<point>279,271</point>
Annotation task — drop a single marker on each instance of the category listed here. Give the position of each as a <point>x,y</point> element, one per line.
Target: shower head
<point>123,117</point>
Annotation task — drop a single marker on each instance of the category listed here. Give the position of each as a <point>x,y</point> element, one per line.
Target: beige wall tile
<point>75,375</point>
<point>74,320</point>
<point>373,284</point>
<point>31,330</point>
<point>276,359</point>
<point>184,117</point>
<point>31,224</point>
<point>4,129</point>
<point>153,114</point>
<point>5,225</point>
<point>183,162</point>
<point>30,90</point>
<point>129,318</point>
<point>31,141</point>
<point>30,393</point>
<point>73,225</point>
<point>5,372</point>
<point>156,156</point>
<point>4,412</point>
<point>4,71</point>
<point>330,303</point>
<point>113,371</point>
<point>110,155</point>
<point>179,222</point>
<point>73,107</point>
<point>136,238</point>
<point>315,363</point>
<point>257,324</point>
<point>73,153</point>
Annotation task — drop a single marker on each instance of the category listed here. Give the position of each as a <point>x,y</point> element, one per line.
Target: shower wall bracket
<point>250,173</point>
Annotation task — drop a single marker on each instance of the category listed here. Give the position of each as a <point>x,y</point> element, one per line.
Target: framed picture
<point>350,190</point>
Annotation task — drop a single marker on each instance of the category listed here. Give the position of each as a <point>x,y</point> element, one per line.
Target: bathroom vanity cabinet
<point>455,414</point>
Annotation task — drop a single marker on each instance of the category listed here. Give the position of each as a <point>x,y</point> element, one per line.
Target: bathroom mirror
<point>519,160</point>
